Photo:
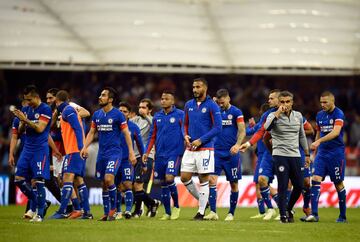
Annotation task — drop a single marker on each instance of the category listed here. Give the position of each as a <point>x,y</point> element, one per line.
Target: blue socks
<point>174,193</point>
<point>165,197</point>
<point>265,193</point>
<point>233,201</point>
<point>342,202</point>
<point>118,201</point>
<point>276,199</point>
<point>66,192</point>
<point>84,197</point>
<point>212,198</point>
<point>112,196</point>
<point>75,203</point>
<point>106,202</point>
<point>41,197</point>
<point>261,205</point>
<point>28,192</point>
<point>315,194</point>
<point>129,199</point>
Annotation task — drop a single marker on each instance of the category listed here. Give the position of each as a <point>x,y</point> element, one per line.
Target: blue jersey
<point>35,140</point>
<point>260,146</point>
<point>325,123</point>
<point>135,137</point>
<point>228,136</point>
<point>202,121</point>
<point>261,131</point>
<point>109,126</point>
<point>166,133</point>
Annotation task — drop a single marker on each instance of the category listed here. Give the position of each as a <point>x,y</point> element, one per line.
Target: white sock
<point>190,186</point>
<point>203,196</point>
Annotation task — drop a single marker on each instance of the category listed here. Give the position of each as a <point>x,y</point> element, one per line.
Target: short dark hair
<point>31,89</point>
<point>222,93</point>
<point>62,96</point>
<point>112,93</point>
<point>286,94</point>
<point>148,102</point>
<point>126,105</point>
<point>53,91</point>
<point>201,79</point>
<point>169,92</point>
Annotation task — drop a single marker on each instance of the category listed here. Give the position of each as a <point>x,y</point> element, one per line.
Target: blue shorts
<point>306,171</point>
<point>107,165</point>
<point>267,166</point>
<point>73,163</point>
<point>332,164</point>
<point>166,166</point>
<point>231,164</point>
<point>34,164</point>
<point>125,172</point>
<point>141,177</point>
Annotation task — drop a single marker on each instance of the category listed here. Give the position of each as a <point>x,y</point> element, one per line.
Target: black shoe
<point>47,205</point>
<point>154,208</point>
<point>284,220</point>
<point>127,215</point>
<point>198,216</point>
<point>87,216</point>
<point>290,216</point>
<point>103,218</point>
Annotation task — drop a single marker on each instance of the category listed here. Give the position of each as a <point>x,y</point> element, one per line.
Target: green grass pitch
<point>15,229</point>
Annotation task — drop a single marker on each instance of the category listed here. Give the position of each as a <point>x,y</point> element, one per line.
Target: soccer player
<point>167,137</point>
<point>287,131</point>
<point>125,175</point>
<point>266,169</point>
<point>202,123</point>
<point>73,136</point>
<point>109,122</point>
<point>144,169</point>
<point>227,156</point>
<point>330,154</point>
<point>34,160</point>
<point>74,207</point>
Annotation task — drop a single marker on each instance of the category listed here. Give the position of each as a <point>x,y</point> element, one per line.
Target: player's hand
<point>58,155</point>
<point>187,141</point>
<point>235,149</point>
<point>195,144</point>
<point>84,153</point>
<point>307,161</point>
<point>19,114</point>
<point>11,160</point>
<point>314,145</point>
<point>132,158</point>
<point>144,157</point>
<point>244,146</point>
<point>252,122</point>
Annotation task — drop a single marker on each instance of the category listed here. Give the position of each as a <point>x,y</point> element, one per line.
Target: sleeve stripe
<point>339,122</point>
<point>240,119</point>
<point>123,125</point>
<point>93,125</point>
<point>44,119</point>
<point>45,116</point>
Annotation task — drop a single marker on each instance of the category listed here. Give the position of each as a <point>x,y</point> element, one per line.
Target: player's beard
<point>103,104</point>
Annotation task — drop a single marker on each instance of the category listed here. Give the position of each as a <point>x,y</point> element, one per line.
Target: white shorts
<point>58,166</point>
<point>201,162</point>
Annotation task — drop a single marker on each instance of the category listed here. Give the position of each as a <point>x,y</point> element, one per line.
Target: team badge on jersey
<point>110,121</point>
<point>203,110</point>
<point>156,174</point>
<point>37,115</point>
<point>172,120</point>
<point>230,116</point>
<point>331,121</point>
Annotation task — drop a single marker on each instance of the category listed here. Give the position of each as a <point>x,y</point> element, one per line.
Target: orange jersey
<point>68,133</point>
